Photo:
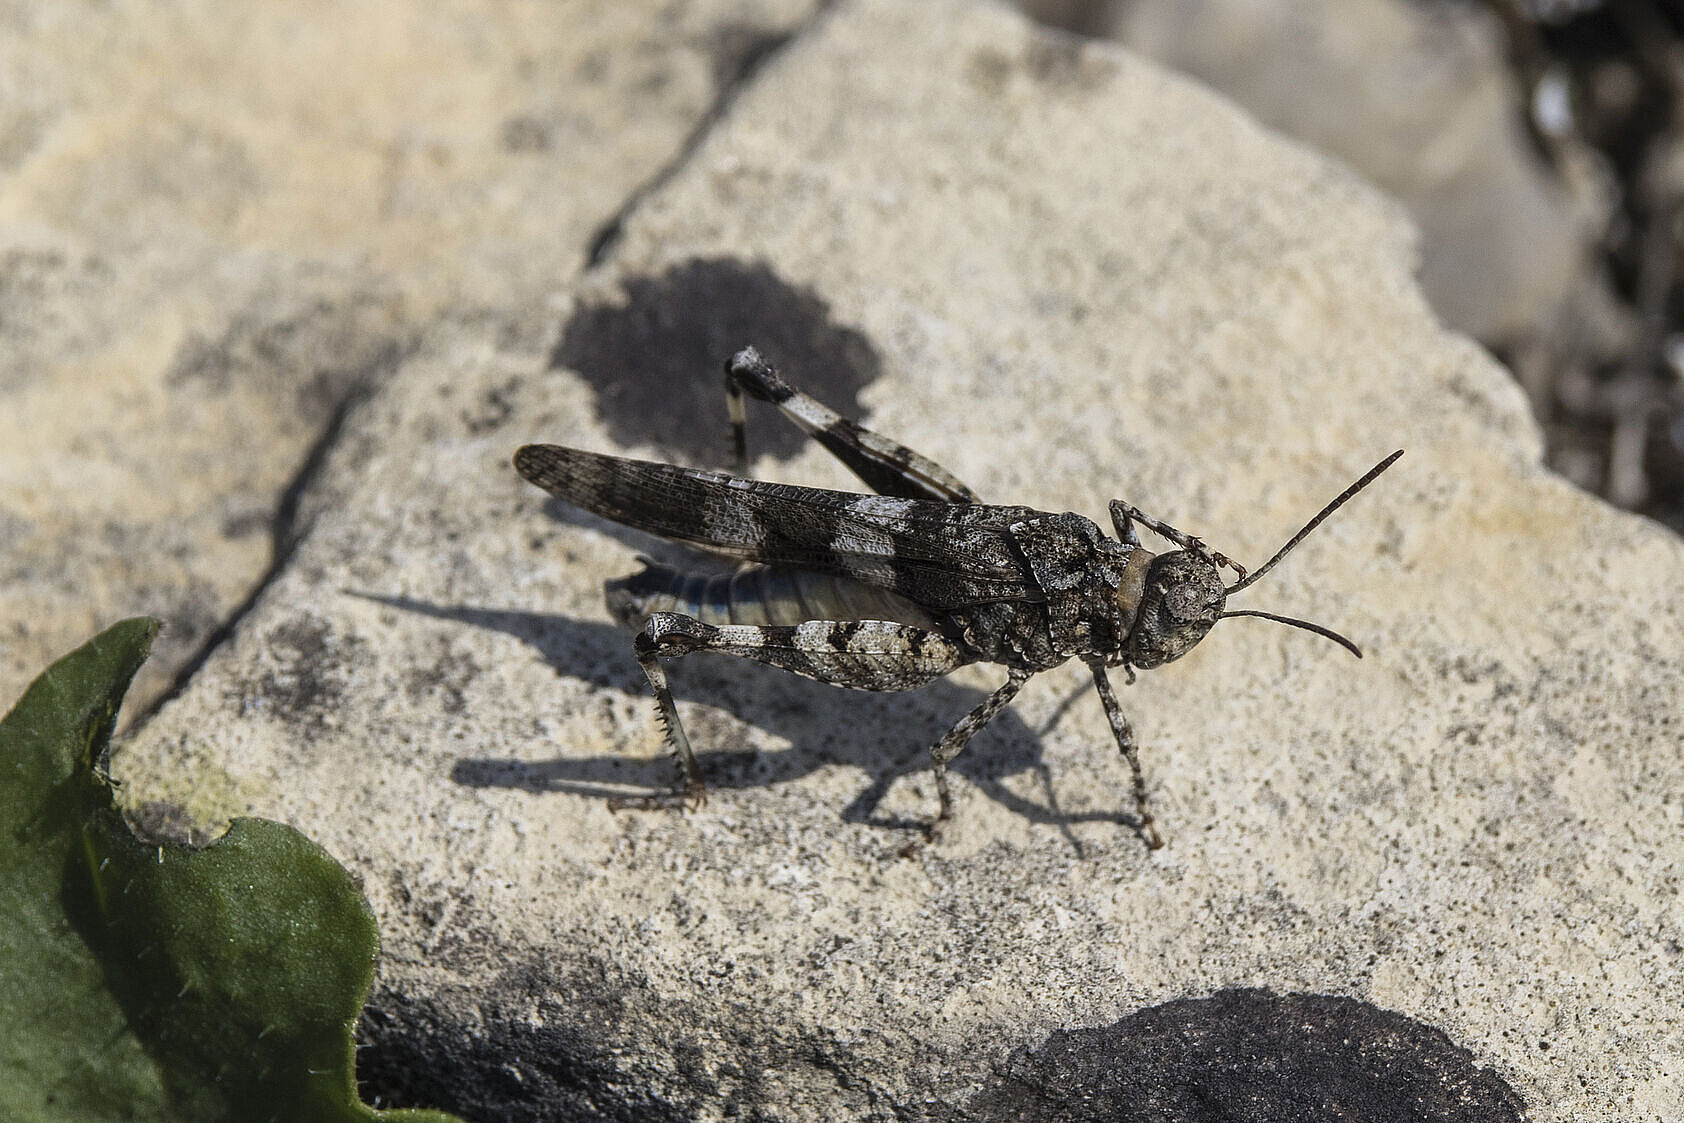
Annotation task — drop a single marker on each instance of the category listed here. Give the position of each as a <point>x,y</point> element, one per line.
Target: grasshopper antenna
<point>1337,503</point>
<point>1340,501</point>
<point>1329,633</point>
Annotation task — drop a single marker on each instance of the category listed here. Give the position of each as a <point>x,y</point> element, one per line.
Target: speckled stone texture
<point>224,223</point>
<point>1451,868</point>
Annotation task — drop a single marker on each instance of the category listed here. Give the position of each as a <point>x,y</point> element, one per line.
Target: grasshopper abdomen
<point>763,595</point>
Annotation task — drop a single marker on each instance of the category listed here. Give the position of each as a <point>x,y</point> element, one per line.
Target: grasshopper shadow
<point>888,736</point>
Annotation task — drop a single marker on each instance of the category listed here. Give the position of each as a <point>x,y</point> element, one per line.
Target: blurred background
<point>1535,142</point>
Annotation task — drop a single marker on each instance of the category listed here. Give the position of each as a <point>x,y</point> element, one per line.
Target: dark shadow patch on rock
<point>444,684</point>
<point>306,675</point>
<point>656,359</point>
<point>596,1042</point>
<point>324,353</point>
<point>1249,1056</point>
<point>460,1055</point>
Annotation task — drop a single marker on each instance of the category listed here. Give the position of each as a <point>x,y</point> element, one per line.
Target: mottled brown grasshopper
<point>894,590</point>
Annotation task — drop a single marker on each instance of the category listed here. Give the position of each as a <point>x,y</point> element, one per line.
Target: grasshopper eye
<point>1182,601</point>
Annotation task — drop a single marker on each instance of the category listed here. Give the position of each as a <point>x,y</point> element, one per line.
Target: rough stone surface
<point>1067,275</point>
<point>221,222</point>
<point>1419,98</point>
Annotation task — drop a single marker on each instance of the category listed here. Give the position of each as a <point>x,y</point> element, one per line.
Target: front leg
<point>1125,741</point>
<point>1124,515</point>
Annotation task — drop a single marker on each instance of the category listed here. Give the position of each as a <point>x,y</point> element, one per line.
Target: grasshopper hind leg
<point>690,792</point>
<point>877,655</point>
<point>886,467</point>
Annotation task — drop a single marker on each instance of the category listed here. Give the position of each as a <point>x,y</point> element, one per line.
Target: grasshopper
<point>891,591</point>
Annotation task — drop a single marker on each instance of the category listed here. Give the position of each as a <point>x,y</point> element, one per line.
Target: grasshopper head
<point>1183,600</point>
<point>1183,596</point>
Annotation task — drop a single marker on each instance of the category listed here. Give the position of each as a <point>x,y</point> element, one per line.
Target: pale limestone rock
<point>219,222</point>
<point>1074,276</point>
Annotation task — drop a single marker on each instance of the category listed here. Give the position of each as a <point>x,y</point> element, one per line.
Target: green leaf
<point>162,982</point>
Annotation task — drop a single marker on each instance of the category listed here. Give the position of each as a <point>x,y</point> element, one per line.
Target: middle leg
<point>960,735</point>
<point>1124,733</point>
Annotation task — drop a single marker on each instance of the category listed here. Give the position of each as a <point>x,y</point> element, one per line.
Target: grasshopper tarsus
<point>1149,833</point>
<point>1229,563</point>
<point>891,591</point>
